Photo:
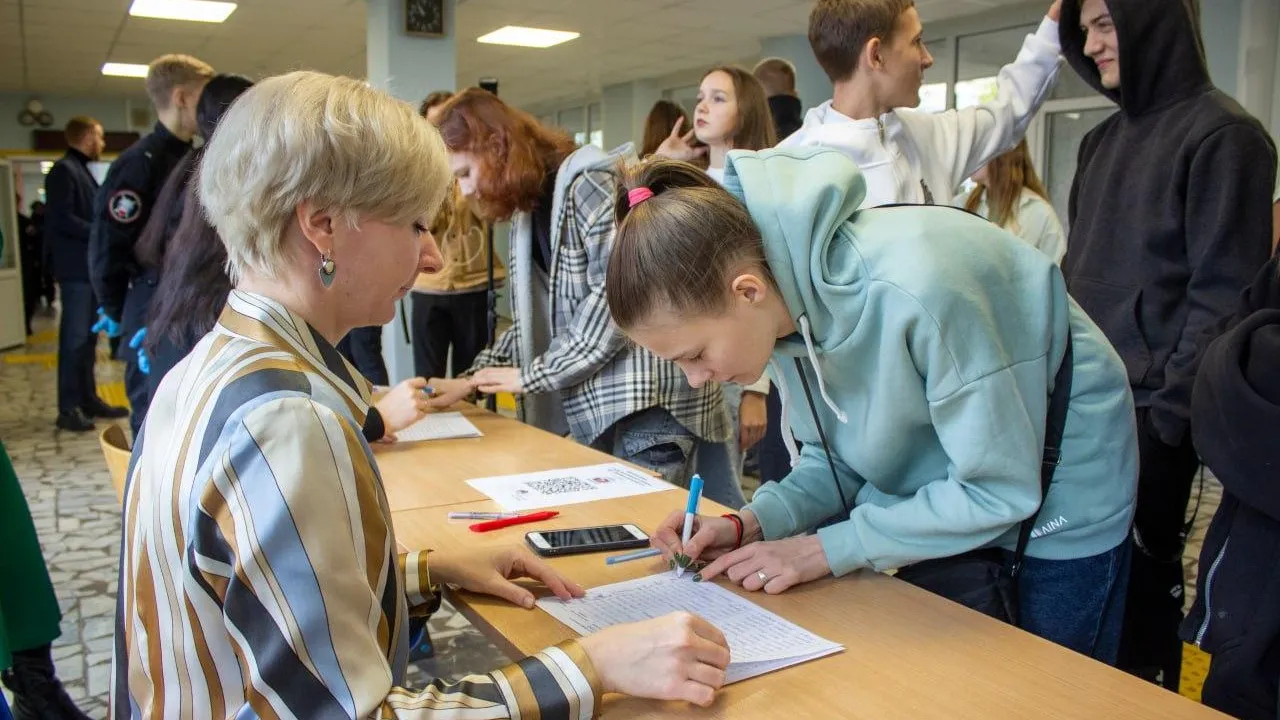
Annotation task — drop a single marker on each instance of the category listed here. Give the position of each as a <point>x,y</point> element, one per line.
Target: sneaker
<point>74,421</point>
<point>96,408</point>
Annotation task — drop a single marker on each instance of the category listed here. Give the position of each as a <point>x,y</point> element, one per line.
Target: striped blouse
<point>258,573</point>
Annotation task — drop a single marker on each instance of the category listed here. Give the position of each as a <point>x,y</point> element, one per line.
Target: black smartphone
<point>550,543</point>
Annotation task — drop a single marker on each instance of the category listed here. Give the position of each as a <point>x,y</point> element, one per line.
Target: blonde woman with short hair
<point>259,573</point>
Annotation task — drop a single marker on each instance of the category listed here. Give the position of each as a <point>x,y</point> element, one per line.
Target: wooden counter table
<point>434,473</point>
<point>908,654</point>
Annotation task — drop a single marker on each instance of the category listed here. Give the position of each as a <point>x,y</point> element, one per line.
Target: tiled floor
<point>74,507</point>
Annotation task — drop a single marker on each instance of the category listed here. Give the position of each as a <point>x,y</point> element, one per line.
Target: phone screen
<point>584,537</point>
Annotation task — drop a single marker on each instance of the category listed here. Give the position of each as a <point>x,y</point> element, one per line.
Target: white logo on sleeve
<point>1050,527</point>
<point>125,206</point>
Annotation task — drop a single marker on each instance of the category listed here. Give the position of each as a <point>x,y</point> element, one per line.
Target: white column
<point>409,67</point>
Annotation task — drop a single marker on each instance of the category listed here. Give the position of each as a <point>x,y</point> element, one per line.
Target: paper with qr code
<point>569,486</point>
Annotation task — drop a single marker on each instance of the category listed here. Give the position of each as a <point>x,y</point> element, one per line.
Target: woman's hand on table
<point>490,573</point>
<point>403,405</point>
<point>784,564</point>
<point>494,380</point>
<point>674,657</point>
<point>446,393</point>
<point>711,538</point>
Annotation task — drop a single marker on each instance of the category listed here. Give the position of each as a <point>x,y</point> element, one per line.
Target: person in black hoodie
<point>1169,220</point>
<point>779,80</point>
<point>1235,411</point>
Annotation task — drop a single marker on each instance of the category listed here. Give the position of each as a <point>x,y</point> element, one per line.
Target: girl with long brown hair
<point>572,369</point>
<point>1010,194</point>
<point>732,114</point>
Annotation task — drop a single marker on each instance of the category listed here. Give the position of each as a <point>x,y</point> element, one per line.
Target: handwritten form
<point>439,426</point>
<point>759,641</point>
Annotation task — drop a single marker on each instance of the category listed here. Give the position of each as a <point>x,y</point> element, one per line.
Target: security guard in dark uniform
<point>121,208</point>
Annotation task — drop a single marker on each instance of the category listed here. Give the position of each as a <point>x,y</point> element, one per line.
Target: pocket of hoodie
<point>1238,580</point>
<point>1116,309</point>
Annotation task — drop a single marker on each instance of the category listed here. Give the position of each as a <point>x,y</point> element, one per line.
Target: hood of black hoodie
<point>1161,52</point>
<point>1237,396</point>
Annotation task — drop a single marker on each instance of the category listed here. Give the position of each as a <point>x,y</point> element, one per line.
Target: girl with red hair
<point>563,356</point>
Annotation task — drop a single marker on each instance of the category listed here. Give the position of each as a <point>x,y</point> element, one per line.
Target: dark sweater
<point>1235,418</point>
<point>69,188</point>
<point>1170,211</point>
<point>787,114</point>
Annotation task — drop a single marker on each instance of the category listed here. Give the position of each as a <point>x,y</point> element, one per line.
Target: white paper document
<point>569,486</point>
<point>439,426</point>
<point>759,641</point>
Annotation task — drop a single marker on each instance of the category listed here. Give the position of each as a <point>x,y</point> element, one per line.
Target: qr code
<point>560,486</point>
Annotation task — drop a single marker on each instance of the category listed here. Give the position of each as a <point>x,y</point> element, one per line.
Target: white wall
<point>113,113</point>
<point>1257,58</point>
<point>1275,98</point>
<point>1220,25</point>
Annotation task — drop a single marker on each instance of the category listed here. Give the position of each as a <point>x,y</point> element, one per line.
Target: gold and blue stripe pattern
<point>259,575</point>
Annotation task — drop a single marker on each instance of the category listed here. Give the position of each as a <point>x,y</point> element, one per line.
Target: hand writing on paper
<point>680,147</point>
<point>403,405</point>
<point>784,563</point>
<point>498,379</point>
<point>675,657</point>
<point>712,536</point>
<point>490,573</point>
<point>449,392</point>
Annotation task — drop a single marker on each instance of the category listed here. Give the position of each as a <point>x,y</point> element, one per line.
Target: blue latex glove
<point>135,343</point>
<point>106,324</point>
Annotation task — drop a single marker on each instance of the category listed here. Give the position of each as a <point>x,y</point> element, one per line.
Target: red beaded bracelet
<point>737,522</point>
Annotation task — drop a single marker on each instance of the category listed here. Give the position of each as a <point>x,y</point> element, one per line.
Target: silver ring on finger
<point>763,578</point>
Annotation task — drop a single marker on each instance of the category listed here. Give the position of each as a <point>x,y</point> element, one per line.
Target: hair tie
<point>635,196</point>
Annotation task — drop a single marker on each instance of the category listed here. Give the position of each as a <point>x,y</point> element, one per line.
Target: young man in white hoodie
<point>874,53</point>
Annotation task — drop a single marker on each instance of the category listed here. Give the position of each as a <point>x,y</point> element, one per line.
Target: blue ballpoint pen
<point>637,555</point>
<point>690,512</point>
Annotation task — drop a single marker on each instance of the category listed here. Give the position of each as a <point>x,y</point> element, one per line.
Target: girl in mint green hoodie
<point>931,340</point>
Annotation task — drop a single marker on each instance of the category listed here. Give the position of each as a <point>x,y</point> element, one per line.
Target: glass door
<point>1055,143</point>
<point>13,331</point>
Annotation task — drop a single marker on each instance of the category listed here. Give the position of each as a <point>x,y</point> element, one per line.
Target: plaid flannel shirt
<point>600,375</point>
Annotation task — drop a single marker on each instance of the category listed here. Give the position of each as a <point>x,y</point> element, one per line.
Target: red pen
<point>518,520</point>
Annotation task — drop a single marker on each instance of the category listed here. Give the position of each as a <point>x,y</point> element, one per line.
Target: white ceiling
<point>57,47</point>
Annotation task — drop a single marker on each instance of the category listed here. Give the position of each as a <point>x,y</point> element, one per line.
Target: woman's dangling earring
<point>327,270</point>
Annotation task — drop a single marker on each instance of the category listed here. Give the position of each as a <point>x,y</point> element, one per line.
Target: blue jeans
<point>1078,604</point>
<point>771,454</point>
<point>733,402</point>
<point>654,439</point>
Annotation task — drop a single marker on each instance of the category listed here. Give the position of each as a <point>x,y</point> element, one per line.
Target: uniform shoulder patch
<point>125,206</point>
